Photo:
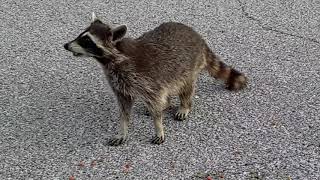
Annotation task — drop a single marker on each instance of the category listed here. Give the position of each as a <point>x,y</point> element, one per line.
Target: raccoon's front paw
<point>157,140</point>
<point>116,141</point>
<point>181,114</point>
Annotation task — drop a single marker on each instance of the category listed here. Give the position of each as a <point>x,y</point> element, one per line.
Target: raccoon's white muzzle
<point>76,49</point>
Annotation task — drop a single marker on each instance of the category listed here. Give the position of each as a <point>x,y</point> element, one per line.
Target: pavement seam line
<point>269,28</point>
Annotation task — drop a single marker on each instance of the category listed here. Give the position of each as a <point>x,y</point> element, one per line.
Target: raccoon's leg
<point>125,105</point>
<point>233,79</point>
<point>156,110</point>
<point>185,101</point>
<point>157,120</point>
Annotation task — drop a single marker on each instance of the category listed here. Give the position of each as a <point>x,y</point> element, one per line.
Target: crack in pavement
<point>268,28</point>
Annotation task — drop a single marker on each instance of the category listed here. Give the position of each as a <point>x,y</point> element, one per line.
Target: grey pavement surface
<point>57,111</point>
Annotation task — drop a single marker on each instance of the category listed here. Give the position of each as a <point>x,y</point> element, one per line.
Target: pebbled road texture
<point>57,111</point>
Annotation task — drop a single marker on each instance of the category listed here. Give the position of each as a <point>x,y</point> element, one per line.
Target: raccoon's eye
<point>86,39</point>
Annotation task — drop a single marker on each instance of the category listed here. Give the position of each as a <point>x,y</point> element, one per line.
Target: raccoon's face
<point>97,40</point>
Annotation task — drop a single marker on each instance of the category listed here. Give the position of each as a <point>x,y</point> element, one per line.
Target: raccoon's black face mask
<point>97,40</point>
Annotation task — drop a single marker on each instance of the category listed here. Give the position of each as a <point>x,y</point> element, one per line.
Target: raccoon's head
<point>98,40</point>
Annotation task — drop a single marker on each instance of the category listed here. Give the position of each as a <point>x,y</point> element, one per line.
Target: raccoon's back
<point>169,52</point>
<point>173,34</point>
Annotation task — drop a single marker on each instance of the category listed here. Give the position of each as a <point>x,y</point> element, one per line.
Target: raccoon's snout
<point>67,47</point>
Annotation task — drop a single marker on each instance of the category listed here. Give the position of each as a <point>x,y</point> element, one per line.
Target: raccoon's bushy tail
<point>233,79</point>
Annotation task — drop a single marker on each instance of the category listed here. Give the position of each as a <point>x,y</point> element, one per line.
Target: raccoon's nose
<point>66,46</point>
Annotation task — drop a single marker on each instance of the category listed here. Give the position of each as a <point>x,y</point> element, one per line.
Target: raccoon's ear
<point>93,17</point>
<point>119,32</point>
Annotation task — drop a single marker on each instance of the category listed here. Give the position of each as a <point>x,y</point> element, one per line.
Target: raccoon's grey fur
<point>163,62</point>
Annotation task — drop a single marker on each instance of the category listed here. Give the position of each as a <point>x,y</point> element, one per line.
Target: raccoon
<point>163,62</point>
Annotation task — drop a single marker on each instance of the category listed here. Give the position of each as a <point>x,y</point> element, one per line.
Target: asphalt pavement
<point>57,111</point>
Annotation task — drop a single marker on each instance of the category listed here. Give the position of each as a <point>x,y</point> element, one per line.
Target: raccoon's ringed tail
<point>233,79</point>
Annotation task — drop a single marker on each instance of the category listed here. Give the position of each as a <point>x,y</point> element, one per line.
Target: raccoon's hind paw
<point>157,140</point>
<point>181,114</point>
<point>117,141</point>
